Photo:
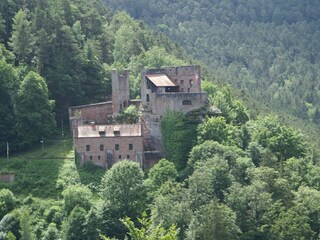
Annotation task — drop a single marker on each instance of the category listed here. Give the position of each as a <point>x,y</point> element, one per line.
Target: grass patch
<point>44,174</point>
<point>37,171</point>
<point>36,177</point>
<point>91,175</point>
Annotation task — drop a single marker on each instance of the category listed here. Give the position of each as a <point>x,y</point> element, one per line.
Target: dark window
<point>101,147</point>
<point>90,157</point>
<point>130,146</point>
<point>116,146</point>
<point>119,156</point>
<point>116,133</point>
<point>148,98</point>
<point>128,156</point>
<point>98,157</point>
<point>186,102</point>
<point>188,89</point>
<point>181,82</point>
<point>87,148</point>
<point>102,133</point>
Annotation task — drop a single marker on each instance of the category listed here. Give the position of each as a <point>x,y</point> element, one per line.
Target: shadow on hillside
<point>37,172</point>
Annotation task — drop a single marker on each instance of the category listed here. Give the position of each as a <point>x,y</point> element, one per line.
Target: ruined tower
<point>120,90</point>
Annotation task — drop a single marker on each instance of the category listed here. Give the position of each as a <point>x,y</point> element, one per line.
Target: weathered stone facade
<point>96,136</point>
<point>105,145</point>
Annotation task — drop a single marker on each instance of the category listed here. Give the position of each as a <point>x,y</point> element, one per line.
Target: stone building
<point>107,144</point>
<point>99,139</point>
<point>174,88</point>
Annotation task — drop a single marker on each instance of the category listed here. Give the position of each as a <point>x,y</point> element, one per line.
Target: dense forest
<point>57,54</point>
<point>236,177</point>
<point>270,49</point>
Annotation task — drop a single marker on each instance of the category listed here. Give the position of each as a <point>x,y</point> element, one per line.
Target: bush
<point>77,196</point>
<point>7,202</point>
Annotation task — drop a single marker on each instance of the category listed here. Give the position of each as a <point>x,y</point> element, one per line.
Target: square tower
<point>120,90</point>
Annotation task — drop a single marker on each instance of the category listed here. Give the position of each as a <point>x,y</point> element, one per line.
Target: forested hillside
<point>57,54</point>
<point>225,176</point>
<point>269,48</point>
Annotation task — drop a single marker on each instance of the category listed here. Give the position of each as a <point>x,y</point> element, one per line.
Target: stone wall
<point>120,90</point>
<point>180,102</point>
<point>7,177</point>
<point>186,77</point>
<point>100,156</point>
<point>151,129</point>
<point>99,113</point>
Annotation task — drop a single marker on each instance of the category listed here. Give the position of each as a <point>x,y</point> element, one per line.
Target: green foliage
<point>171,207</point>
<point>77,196</point>
<point>293,224</point>
<point>51,233</point>
<point>36,176</point>
<point>214,128</point>
<point>54,214</point>
<point>35,118</point>
<point>162,172</point>
<point>178,136</point>
<point>7,202</point>
<point>10,236</point>
<point>75,224</point>
<point>10,223</point>
<point>22,38</point>
<point>130,115</point>
<point>214,221</point>
<point>148,231</point>
<point>8,85</point>
<point>123,187</point>
<point>209,149</point>
<point>26,228</point>
<point>209,180</point>
<point>283,141</point>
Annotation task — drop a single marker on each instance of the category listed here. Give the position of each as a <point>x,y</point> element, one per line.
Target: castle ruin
<point>97,138</point>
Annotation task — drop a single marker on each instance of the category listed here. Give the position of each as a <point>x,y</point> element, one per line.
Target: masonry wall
<point>186,77</point>
<point>99,157</point>
<point>7,177</point>
<point>182,102</point>
<point>97,113</point>
<point>120,90</point>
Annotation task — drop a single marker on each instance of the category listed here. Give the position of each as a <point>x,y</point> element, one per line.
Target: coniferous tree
<point>22,38</point>
<point>34,110</point>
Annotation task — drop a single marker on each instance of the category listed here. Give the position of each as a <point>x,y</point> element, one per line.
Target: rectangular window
<point>188,89</point>
<point>181,82</point>
<point>116,133</point>
<point>90,157</point>
<point>98,157</point>
<point>102,133</point>
<point>119,156</point>
<point>87,148</point>
<point>191,82</point>
<point>182,89</point>
<point>101,147</point>
<point>116,146</point>
<point>128,156</point>
<point>130,146</point>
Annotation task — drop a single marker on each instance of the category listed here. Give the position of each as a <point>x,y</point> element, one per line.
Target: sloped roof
<point>160,80</point>
<point>126,130</point>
